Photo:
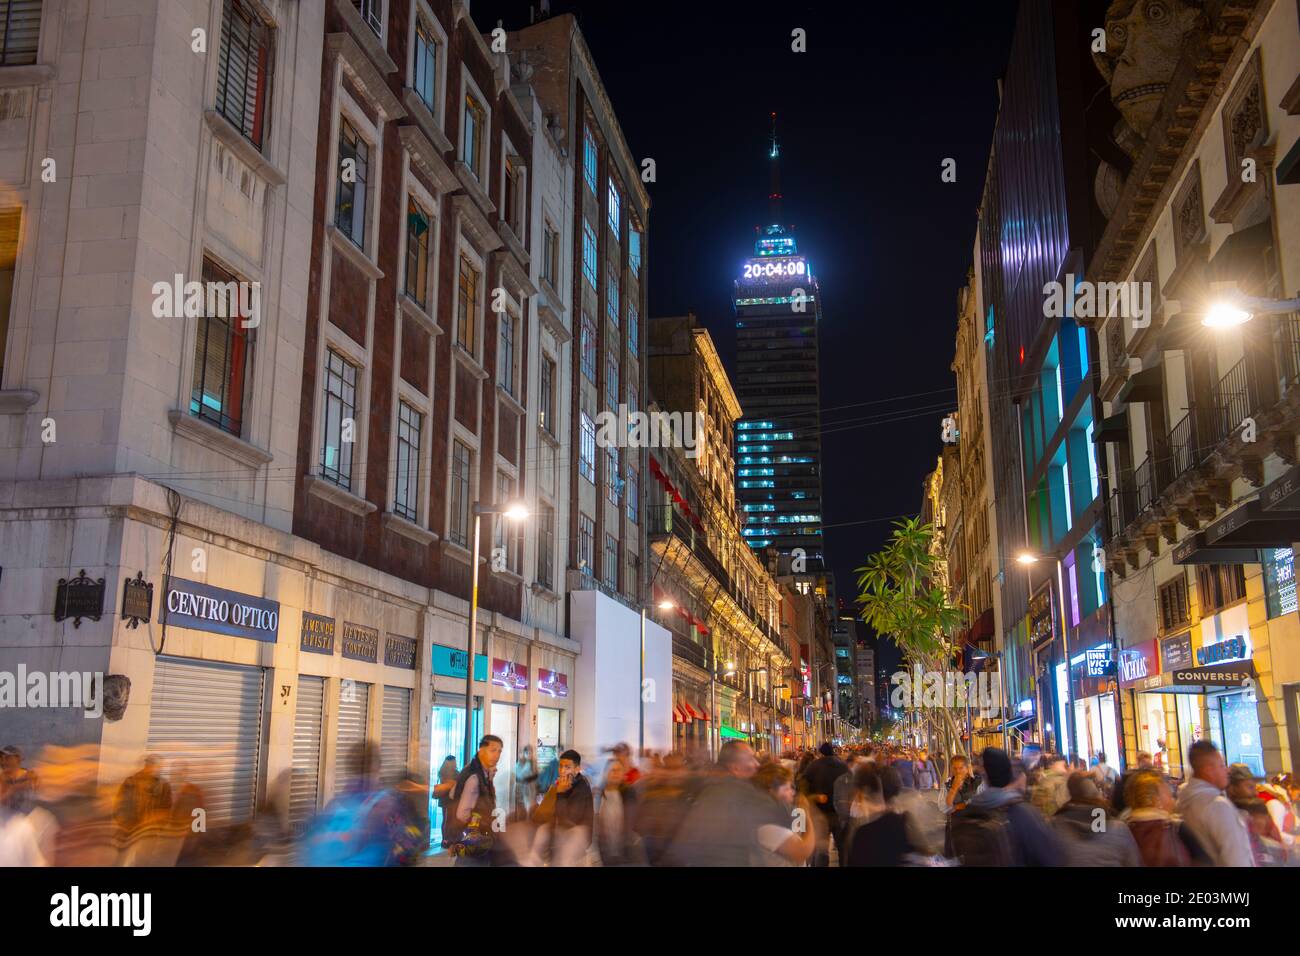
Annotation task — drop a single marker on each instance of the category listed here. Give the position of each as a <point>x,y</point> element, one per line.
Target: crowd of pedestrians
<point>863,805</point>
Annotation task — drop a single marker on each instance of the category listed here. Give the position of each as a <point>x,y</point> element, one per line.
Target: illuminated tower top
<point>773,239</point>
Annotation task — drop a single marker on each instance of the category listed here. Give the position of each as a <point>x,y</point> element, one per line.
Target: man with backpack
<point>998,827</point>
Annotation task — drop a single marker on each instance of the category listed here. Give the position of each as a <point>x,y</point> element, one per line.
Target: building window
<point>633,504</point>
<point>611,299</point>
<point>340,419</point>
<point>550,254</point>
<point>545,545</point>
<point>372,13</point>
<point>633,334</point>
<point>632,583</point>
<point>611,381</point>
<point>506,353</point>
<point>505,533</point>
<point>417,252</point>
<point>587,449</point>
<point>631,400</point>
<point>589,158</point>
<point>467,305</point>
<point>634,251</point>
<point>475,128</point>
<point>547,398</point>
<point>513,198</point>
<point>354,165</point>
<point>424,69</point>
<point>614,208</point>
<point>611,561</point>
<point>586,544</point>
<point>1218,585</point>
<point>462,462</point>
<point>21,22</point>
<point>243,70</point>
<point>222,354</point>
<point>589,347</point>
<point>406,497</point>
<point>10,229</point>
<point>613,483</point>
<point>589,253</point>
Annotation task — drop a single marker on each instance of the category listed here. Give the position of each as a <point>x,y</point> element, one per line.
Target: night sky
<point>884,93</point>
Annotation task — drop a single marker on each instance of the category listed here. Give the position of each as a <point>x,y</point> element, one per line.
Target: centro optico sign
<point>207,608</point>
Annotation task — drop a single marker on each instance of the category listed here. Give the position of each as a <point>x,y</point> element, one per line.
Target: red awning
<point>693,712</point>
<point>704,715</point>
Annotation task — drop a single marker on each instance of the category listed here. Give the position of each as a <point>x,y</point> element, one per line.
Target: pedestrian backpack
<point>982,837</point>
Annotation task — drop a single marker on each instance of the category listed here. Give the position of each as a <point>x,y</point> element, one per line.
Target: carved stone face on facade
<point>117,693</point>
<point>1144,40</point>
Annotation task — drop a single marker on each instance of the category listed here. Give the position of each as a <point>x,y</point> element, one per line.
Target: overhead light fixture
<point>1026,558</point>
<point>1225,315</point>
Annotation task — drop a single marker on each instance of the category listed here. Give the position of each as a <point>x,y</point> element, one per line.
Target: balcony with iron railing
<point>1234,402</point>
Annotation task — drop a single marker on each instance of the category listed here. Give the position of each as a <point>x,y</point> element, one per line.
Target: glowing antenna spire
<point>774,193</point>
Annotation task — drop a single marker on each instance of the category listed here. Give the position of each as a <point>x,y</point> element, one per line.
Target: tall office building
<point>778,443</point>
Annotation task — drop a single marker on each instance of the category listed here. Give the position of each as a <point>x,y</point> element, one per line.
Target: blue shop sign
<point>207,608</point>
<point>451,662</point>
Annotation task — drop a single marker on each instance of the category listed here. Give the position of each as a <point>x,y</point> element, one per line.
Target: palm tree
<point>900,595</point>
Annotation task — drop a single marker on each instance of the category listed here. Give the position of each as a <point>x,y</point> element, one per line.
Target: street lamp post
<point>514,512</point>
<point>664,605</point>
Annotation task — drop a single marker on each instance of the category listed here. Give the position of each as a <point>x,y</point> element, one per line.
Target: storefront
<point>206,718</point>
<point>1152,715</point>
<point>1093,698</point>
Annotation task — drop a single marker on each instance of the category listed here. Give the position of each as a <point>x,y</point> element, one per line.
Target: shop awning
<point>680,716</point>
<point>982,629</point>
<point>1239,254</point>
<point>1144,386</point>
<point>1283,494</point>
<point>1251,526</point>
<point>1195,549</point>
<point>1182,331</point>
<point>732,733</point>
<point>1201,680</point>
<point>691,709</point>
<point>1012,724</point>
<point>1113,430</point>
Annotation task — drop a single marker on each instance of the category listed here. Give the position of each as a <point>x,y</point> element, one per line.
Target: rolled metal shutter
<point>209,716</point>
<point>395,733</point>
<point>307,733</point>
<point>354,706</point>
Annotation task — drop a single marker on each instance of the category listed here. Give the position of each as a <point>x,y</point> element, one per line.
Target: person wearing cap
<point>1207,812</point>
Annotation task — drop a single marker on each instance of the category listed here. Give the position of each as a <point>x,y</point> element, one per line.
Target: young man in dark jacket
<point>568,802</point>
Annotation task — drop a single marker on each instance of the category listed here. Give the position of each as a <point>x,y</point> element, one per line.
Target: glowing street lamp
<point>1026,558</point>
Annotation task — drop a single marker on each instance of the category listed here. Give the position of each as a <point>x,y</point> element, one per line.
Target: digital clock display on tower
<point>774,269</point>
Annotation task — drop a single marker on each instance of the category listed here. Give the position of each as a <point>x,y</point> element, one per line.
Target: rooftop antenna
<point>774,192</point>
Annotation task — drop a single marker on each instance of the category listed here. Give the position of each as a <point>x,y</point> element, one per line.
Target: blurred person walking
<point>721,827</point>
<point>818,782</point>
<point>447,774</point>
<point>789,839</point>
<point>1159,833</point>
<point>1208,813</point>
<point>999,827</point>
<point>879,835</point>
<point>1091,832</point>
